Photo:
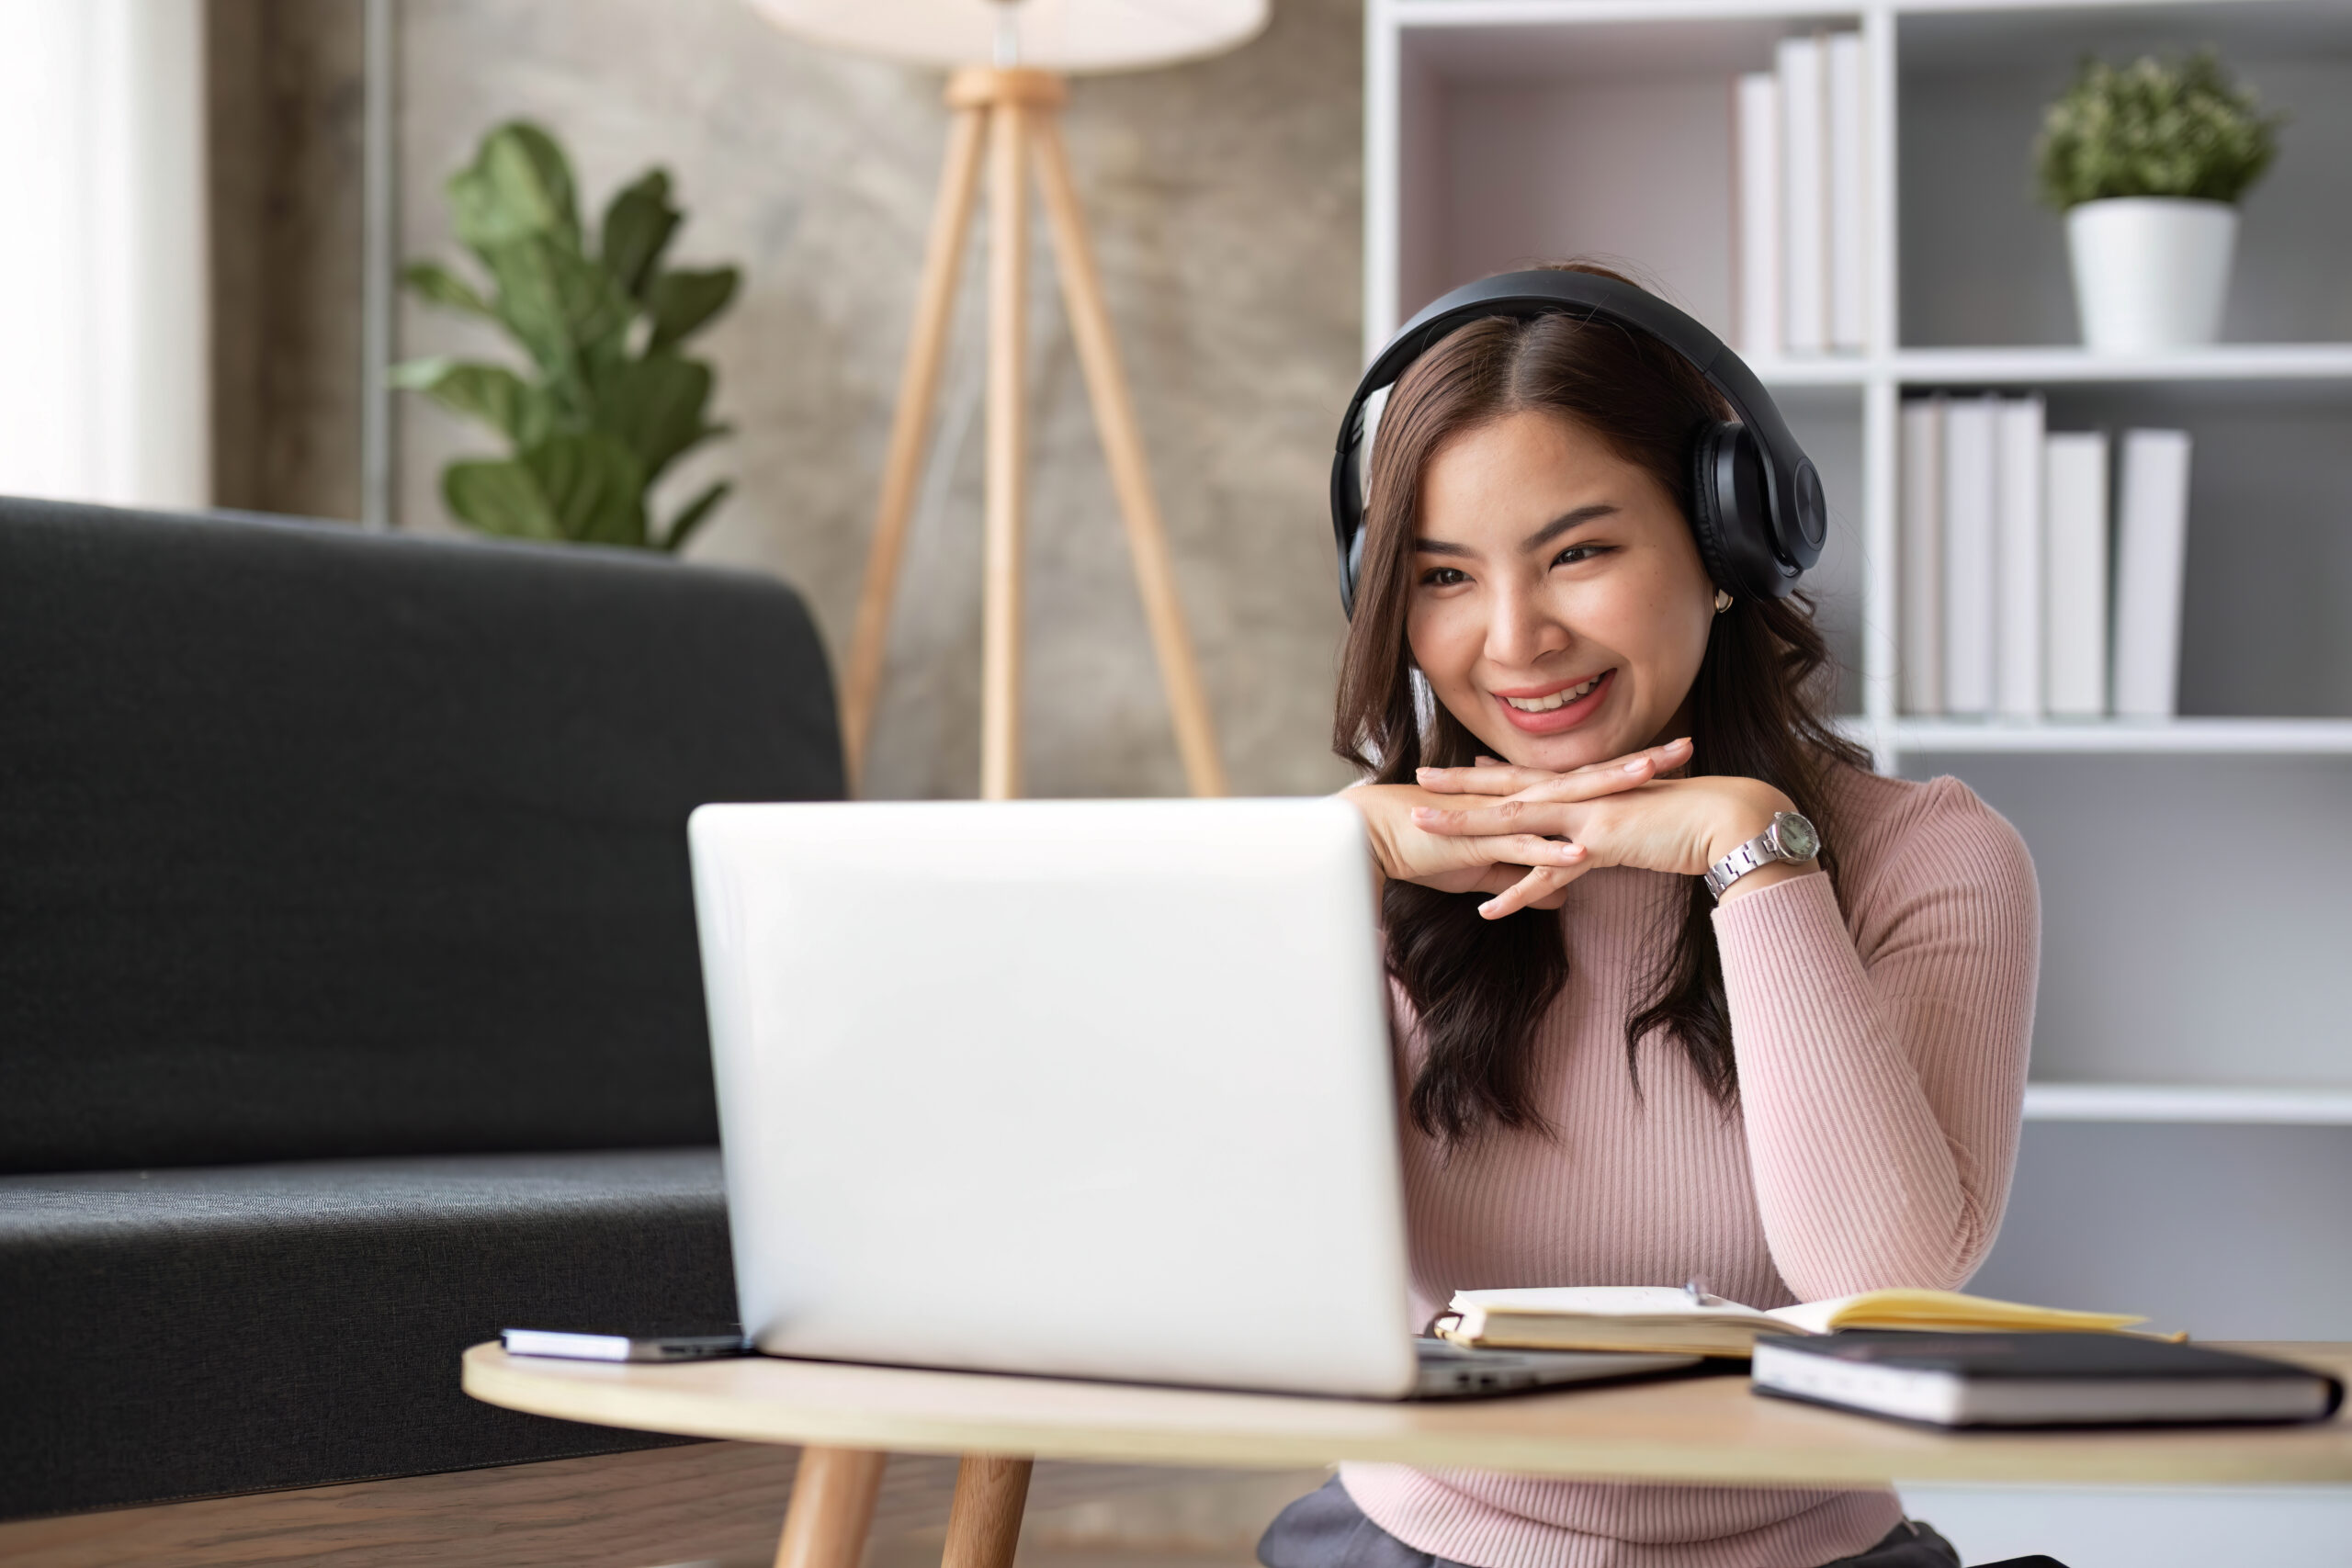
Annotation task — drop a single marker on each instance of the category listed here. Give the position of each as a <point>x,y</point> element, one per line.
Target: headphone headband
<point>1794,524</point>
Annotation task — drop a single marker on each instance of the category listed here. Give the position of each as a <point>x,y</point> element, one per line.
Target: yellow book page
<point>1945,1310</point>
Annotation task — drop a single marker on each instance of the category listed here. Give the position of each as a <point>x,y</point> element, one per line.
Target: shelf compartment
<point>2269,563</point>
<point>1984,264</point>
<point>2190,934</point>
<point>1500,133</point>
<point>2188,1103</point>
<point>2226,1229</point>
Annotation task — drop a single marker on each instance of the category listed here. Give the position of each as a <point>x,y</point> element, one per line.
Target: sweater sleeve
<point>1882,1077</point>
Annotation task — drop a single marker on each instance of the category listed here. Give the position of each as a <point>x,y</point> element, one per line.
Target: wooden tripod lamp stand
<point>1007,116</point>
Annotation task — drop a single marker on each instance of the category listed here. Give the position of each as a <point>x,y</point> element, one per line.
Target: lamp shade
<point>1073,35</point>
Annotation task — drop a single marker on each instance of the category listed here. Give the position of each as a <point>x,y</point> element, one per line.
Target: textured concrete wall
<point>1226,203</point>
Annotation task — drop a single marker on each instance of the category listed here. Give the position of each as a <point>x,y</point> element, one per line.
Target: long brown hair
<point>1758,709</point>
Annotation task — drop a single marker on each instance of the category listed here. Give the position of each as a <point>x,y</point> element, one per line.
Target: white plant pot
<point>2151,272</point>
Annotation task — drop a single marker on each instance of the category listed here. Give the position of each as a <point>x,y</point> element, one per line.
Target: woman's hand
<point>1677,826</point>
<point>1455,861</point>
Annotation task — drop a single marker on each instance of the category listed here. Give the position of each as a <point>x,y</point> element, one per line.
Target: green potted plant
<point>2147,161</point>
<point>611,399</point>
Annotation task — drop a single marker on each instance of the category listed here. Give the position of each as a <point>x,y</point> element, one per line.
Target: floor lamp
<point>1007,116</point>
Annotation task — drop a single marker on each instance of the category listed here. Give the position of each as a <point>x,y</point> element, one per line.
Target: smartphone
<point>695,1344</point>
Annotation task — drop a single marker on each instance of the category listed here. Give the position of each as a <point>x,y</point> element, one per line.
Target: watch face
<point>1795,836</point>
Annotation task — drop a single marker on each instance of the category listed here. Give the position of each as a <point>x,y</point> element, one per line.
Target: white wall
<point>103,276</point>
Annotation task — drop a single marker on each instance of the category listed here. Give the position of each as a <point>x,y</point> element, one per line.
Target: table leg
<point>984,1525</point>
<point>833,1505</point>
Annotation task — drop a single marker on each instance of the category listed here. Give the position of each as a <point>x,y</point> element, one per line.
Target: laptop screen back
<point>1101,1087</point>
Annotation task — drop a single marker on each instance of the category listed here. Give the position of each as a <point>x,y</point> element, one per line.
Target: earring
<point>1723,601</point>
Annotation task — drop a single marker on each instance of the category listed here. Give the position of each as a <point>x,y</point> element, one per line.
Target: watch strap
<point>1773,843</point>
<point>1757,852</point>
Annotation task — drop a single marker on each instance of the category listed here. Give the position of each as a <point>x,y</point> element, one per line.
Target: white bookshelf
<point>2193,938</point>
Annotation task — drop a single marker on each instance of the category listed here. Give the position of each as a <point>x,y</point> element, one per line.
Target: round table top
<point>1700,1429</point>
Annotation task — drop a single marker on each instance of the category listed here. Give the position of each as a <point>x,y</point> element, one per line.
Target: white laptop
<point>1096,1088</point>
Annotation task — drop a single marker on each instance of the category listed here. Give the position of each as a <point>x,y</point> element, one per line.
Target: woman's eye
<point>1444,577</point>
<point>1575,553</point>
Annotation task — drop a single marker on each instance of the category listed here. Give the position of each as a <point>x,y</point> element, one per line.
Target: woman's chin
<point>1553,753</point>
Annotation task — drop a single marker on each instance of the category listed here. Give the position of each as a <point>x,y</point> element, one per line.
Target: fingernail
<point>1637,764</point>
<point>1489,907</point>
<point>1423,772</point>
<point>1420,811</point>
<point>1683,741</point>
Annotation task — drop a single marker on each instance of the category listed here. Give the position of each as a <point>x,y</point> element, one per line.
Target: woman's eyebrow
<point>1566,520</point>
<point>1535,541</point>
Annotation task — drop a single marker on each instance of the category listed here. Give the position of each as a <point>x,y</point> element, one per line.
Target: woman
<point>1809,1089</point>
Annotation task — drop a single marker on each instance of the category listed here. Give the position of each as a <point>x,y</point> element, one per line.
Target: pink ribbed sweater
<point>1881,1053</point>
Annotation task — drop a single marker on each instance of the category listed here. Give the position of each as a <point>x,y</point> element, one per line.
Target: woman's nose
<point>1523,630</point>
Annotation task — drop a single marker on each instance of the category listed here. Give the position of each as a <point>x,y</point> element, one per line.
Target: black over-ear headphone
<point>1756,502</point>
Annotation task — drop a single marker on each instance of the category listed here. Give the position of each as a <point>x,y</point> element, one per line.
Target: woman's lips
<point>1566,717</point>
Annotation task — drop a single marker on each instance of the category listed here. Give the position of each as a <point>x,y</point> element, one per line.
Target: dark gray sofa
<point>349,1003</point>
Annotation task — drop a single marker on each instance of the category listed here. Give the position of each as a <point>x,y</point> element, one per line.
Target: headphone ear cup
<point>1714,502</point>
<point>1352,569</point>
<point>1731,514</point>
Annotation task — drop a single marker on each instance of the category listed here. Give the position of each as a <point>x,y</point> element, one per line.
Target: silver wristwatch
<point>1789,838</point>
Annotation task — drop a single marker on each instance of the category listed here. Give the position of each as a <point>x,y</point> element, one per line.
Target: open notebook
<point>1655,1317</point>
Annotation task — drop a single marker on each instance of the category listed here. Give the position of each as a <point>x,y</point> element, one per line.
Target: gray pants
<point>1325,1530</point>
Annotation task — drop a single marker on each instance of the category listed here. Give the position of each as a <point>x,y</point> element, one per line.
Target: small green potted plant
<point>610,399</point>
<point>2147,161</point>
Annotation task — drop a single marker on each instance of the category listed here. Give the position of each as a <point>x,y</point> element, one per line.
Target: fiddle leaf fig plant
<point>610,400</point>
<point>2153,128</point>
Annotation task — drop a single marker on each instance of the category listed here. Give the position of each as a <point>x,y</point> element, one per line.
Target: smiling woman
<point>1529,557</point>
<point>1683,989</point>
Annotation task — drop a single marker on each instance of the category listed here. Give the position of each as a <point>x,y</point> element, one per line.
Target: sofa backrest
<point>319,843</point>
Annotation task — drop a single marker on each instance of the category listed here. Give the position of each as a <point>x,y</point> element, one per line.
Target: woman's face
<point>1558,608</point>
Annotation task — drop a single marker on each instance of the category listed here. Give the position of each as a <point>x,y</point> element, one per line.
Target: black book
<point>2039,1379</point>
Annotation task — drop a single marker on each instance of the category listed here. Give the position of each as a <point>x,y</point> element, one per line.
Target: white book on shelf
<point>1758,119</point>
<point>2151,552</point>
<point>2074,580</point>
<point>1921,549</point>
<point>2017,510</point>
<point>1971,543</point>
<point>1847,165</point>
<point>1805,196</point>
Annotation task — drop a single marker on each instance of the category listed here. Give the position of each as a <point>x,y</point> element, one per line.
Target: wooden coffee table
<point>1706,1430</point>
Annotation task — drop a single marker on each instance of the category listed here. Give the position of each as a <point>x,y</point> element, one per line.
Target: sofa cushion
<point>183,1333</point>
<point>322,843</point>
